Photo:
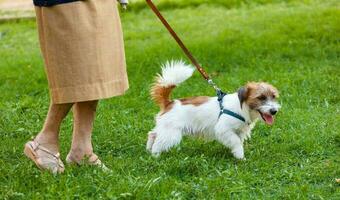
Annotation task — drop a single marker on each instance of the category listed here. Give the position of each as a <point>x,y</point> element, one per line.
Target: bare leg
<point>48,136</point>
<point>84,114</point>
<point>45,147</point>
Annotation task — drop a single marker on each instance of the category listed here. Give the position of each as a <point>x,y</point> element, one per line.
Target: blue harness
<point>223,110</point>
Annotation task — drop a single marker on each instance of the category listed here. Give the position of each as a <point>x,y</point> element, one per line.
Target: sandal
<point>89,160</point>
<point>46,161</point>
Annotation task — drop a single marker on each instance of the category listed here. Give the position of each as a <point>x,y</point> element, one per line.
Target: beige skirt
<point>83,50</point>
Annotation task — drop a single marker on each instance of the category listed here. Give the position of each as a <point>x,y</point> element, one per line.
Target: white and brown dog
<point>200,116</point>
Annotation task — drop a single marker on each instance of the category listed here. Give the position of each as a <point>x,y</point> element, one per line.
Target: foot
<point>91,159</point>
<point>238,153</point>
<point>45,158</point>
<point>156,155</point>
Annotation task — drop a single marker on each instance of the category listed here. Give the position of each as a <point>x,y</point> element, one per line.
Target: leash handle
<point>181,44</point>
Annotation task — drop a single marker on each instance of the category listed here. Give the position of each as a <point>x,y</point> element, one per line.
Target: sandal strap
<point>37,146</point>
<point>93,159</point>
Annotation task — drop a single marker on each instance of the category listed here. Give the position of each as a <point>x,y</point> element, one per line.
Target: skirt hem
<point>88,92</point>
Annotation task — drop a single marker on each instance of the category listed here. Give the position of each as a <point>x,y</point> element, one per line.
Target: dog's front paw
<point>239,153</point>
<point>242,159</point>
<point>239,157</point>
<point>155,155</point>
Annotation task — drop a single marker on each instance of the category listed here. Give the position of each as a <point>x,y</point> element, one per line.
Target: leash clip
<point>211,82</point>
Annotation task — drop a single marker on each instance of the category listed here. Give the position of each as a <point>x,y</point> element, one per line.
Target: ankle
<point>51,143</point>
<point>78,154</point>
<point>47,137</point>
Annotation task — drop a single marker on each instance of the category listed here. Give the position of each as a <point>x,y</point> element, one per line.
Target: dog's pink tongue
<point>269,119</point>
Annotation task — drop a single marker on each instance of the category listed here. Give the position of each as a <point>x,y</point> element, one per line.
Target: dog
<point>202,115</point>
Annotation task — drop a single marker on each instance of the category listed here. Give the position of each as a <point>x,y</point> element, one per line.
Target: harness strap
<point>233,114</point>
<point>220,96</point>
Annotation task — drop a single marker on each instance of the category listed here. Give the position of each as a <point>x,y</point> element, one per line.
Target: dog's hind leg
<point>165,139</point>
<point>151,139</point>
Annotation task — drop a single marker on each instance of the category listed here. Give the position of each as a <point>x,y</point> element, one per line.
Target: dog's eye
<point>273,96</point>
<point>262,98</point>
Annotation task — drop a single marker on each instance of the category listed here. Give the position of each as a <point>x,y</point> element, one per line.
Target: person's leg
<point>48,136</point>
<point>44,149</point>
<point>84,114</point>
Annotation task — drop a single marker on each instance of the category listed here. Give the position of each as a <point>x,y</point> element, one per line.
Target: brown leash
<point>219,92</point>
<point>181,44</point>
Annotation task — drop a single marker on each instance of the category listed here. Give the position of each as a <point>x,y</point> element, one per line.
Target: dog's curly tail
<point>173,73</point>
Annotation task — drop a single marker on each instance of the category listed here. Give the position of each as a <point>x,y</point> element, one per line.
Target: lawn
<point>292,44</point>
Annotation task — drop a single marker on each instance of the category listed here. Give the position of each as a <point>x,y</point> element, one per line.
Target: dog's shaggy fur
<point>199,116</point>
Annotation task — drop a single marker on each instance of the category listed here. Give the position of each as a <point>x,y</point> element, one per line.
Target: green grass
<point>291,44</point>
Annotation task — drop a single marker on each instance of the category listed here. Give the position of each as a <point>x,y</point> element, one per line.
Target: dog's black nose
<point>273,111</point>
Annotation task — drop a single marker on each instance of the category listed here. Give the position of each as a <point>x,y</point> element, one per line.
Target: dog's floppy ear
<point>242,95</point>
